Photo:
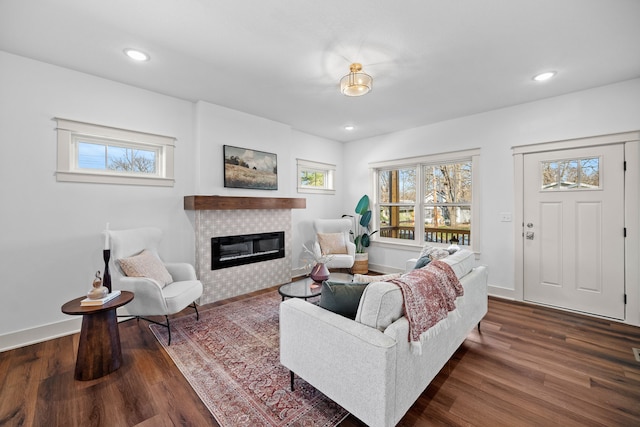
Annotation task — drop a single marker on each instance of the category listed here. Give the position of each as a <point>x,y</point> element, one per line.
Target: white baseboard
<point>38,334</point>
<point>500,292</point>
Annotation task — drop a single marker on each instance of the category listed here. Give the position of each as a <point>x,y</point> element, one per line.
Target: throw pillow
<point>422,261</point>
<point>341,298</point>
<point>146,264</point>
<point>332,243</point>
<point>433,252</point>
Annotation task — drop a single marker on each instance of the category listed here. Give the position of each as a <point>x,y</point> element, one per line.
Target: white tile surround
<point>238,280</point>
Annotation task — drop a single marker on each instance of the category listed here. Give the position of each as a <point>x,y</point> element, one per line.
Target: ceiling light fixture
<point>544,76</point>
<point>349,127</point>
<point>356,83</point>
<point>137,55</point>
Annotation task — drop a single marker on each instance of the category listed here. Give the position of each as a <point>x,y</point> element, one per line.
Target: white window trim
<point>68,132</point>
<point>450,157</point>
<point>326,168</point>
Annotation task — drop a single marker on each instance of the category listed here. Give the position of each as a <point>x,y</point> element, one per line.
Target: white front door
<point>574,229</point>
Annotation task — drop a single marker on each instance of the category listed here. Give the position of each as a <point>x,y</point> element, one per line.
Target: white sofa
<point>366,365</point>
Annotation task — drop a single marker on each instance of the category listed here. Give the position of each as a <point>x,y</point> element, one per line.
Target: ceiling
<point>431,60</point>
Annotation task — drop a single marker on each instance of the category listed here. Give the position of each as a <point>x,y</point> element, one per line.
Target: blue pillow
<point>422,261</point>
<point>341,298</point>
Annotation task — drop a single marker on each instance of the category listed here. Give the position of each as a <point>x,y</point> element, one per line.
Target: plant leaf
<point>363,205</point>
<point>366,217</point>
<point>365,240</point>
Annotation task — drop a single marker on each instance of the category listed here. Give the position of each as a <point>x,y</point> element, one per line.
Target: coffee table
<point>307,288</point>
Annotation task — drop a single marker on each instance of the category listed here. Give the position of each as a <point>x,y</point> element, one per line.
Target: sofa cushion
<point>461,262</point>
<point>341,298</point>
<point>380,305</point>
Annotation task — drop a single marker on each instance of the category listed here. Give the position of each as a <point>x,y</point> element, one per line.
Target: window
<point>100,154</point>
<point>427,199</point>
<point>315,177</point>
<point>573,174</point>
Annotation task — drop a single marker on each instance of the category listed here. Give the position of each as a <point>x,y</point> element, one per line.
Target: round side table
<point>99,351</point>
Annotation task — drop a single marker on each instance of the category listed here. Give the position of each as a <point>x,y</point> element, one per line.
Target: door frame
<point>631,141</point>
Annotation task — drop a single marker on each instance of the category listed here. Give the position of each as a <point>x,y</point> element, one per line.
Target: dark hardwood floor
<point>530,366</point>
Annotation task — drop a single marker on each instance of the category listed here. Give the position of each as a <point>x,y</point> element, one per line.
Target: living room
<point>52,245</point>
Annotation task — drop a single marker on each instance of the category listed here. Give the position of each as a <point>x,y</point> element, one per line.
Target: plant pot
<point>361,264</point>
<point>319,273</point>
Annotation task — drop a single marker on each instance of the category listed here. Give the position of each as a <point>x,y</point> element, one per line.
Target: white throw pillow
<point>332,243</point>
<point>146,264</point>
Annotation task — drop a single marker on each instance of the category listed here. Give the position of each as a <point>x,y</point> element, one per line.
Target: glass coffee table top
<point>307,288</point>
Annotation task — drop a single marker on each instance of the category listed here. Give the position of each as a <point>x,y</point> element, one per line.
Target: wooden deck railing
<point>436,235</point>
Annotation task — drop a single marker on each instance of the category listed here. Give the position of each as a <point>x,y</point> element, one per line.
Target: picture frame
<point>248,168</point>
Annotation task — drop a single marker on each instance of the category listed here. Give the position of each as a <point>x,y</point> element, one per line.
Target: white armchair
<point>327,230</point>
<point>152,297</point>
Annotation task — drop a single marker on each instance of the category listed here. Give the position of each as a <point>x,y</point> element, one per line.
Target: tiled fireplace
<point>219,216</point>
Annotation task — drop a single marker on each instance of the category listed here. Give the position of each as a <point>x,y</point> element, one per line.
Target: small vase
<point>319,273</point>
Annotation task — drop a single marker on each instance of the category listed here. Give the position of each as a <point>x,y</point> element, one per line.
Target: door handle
<point>529,235</point>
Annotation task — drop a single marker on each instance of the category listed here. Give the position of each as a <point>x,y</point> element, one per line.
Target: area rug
<point>231,358</point>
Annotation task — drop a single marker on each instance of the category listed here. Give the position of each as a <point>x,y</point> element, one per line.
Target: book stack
<point>99,301</point>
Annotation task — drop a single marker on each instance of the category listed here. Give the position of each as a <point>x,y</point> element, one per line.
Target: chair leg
<point>166,325</point>
<point>292,375</point>
<point>479,330</point>
<point>195,307</point>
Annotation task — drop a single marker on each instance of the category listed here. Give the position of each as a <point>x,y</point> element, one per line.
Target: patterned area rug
<point>231,359</point>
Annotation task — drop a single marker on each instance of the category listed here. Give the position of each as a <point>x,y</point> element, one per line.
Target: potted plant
<point>362,235</point>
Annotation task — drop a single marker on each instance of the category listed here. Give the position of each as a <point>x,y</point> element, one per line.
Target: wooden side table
<point>99,351</point>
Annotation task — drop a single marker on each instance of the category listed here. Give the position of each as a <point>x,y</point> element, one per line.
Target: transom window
<point>94,153</point>
<point>572,174</point>
<point>427,199</point>
<point>315,177</point>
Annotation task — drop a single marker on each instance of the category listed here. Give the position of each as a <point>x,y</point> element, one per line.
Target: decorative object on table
<point>246,168</point>
<point>245,384</point>
<point>98,291</point>
<point>362,235</point>
<point>319,271</point>
<point>89,302</point>
<point>453,248</point>
<point>106,255</point>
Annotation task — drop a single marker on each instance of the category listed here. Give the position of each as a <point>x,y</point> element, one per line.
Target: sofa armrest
<point>352,364</point>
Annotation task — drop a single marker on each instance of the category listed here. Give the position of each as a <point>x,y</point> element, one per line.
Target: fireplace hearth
<point>231,251</point>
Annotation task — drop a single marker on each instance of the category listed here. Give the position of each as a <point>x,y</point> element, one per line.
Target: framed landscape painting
<point>246,168</point>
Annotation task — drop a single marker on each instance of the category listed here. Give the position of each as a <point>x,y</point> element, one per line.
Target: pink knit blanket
<point>429,295</point>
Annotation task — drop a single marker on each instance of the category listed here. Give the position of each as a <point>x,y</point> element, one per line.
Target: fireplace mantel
<point>235,202</point>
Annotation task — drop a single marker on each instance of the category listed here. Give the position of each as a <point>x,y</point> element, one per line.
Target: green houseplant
<point>362,234</point>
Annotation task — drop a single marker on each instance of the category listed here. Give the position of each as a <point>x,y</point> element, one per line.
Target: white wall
<point>609,109</point>
<point>217,126</point>
<point>51,244</point>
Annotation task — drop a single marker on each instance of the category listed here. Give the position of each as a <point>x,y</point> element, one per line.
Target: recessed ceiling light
<point>544,76</point>
<point>137,55</point>
<point>349,127</point>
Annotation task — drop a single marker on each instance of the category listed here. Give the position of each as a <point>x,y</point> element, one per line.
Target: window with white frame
<point>101,154</point>
<point>315,177</point>
<point>428,199</point>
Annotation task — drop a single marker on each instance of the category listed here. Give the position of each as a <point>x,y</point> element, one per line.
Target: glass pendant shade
<point>356,83</point>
